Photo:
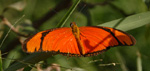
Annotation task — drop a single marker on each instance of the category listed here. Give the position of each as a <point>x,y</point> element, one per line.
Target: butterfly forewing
<point>59,40</point>
<point>97,39</point>
<point>32,44</point>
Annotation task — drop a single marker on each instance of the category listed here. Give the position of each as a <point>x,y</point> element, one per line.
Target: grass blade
<point>122,62</point>
<point>139,62</point>
<point>1,62</point>
<point>68,14</point>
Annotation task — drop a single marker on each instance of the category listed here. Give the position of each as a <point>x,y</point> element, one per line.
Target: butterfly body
<point>80,41</point>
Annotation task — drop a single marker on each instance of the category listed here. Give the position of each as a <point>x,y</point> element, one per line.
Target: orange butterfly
<point>80,41</point>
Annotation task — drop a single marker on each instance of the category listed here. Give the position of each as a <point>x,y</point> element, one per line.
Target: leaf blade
<point>129,23</point>
<point>68,14</point>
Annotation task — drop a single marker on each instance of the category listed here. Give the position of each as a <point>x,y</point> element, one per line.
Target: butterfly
<point>77,41</point>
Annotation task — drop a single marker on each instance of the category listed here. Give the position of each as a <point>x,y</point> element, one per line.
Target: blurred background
<point>31,16</point>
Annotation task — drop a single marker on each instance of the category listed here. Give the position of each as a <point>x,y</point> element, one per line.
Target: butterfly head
<point>72,24</point>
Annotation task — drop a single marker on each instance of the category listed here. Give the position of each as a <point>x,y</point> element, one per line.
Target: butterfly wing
<point>58,40</point>
<point>94,40</point>
<point>98,39</point>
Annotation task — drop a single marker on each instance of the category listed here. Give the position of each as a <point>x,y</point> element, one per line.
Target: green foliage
<point>129,23</point>
<point>1,69</point>
<point>127,15</point>
<point>67,15</point>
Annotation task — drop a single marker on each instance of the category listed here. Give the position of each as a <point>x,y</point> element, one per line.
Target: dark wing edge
<point>108,30</point>
<point>44,33</point>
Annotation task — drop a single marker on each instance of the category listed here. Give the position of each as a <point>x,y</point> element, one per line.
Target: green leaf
<point>129,23</point>
<point>68,14</point>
